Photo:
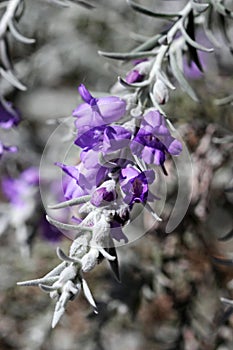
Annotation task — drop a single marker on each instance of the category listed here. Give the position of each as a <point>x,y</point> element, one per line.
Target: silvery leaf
<point>150,13</point>
<point>181,79</point>
<point>127,55</point>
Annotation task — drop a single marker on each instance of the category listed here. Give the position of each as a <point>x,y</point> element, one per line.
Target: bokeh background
<point>169,297</point>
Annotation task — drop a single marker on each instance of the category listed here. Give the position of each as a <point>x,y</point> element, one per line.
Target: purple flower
<point>105,139</point>
<point>103,195</point>
<point>135,185</point>
<point>139,72</point>
<point>134,77</point>
<point>153,140</point>
<point>8,115</point>
<point>80,180</point>
<point>16,190</point>
<point>115,138</point>
<point>3,149</point>
<point>91,139</point>
<point>97,111</point>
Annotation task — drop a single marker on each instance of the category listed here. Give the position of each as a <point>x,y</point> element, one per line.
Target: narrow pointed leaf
<point>63,226</point>
<point>161,75</point>
<point>135,85</point>
<point>5,54</point>
<point>47,289</point>
<point>150,13</point>
<point>71,202</point>
<point>224,101</point>
<point>192,42</point>
<point>57,270</point>
<point>208,27</point>
<point>199,7</point>
<point>114,264</point>
<point>18,36</point>
<point>223,28</point>
<point>128,55</point>
<point>192,50</point>
<point>181,79</point>
<point>88,295</point>
<point>57,315</point>
<point>9,76</point>
<point>106,254</point>
<point>65,257</point>
<point>83,3</point>
<point>148,44</point>
<point>38,281</point>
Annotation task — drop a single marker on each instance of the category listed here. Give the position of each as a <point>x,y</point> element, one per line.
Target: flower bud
<point>104,194</point>
<point>160,92</point>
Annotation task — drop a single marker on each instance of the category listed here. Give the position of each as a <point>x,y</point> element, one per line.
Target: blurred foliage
<point>170,290</point>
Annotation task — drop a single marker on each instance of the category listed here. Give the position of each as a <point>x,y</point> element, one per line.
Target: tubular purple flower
<point>135,184</point>
<point>97,111</point>
<point>80,180</point>
<point>153,140</point>
<point>134,77</point>
<point>106,139</point>
<point>103,196</point>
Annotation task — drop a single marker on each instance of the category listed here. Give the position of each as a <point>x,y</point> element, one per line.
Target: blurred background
<point>169,297</point>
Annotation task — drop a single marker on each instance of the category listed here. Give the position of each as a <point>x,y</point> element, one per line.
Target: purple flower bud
<point>85,94</point>
<point>134,77</point>
<point>97,111</point>
<point>160,92</point>
<point>139,72</point>
<point>102,197</point>
<point>153,140</point>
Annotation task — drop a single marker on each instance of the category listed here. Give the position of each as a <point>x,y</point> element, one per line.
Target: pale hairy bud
<point>160,92</point>
<point>89,260</point>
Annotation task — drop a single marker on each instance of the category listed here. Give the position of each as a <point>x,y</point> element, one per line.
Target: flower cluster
<point>115,172</point>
